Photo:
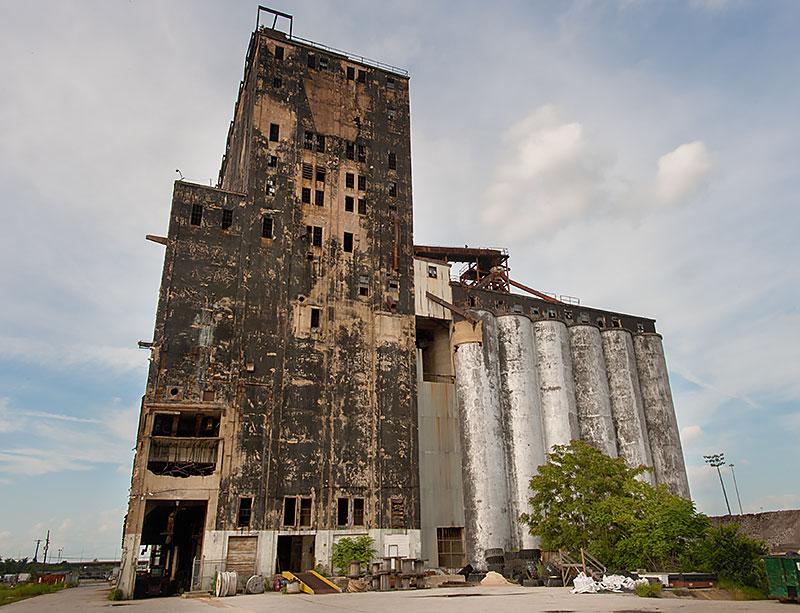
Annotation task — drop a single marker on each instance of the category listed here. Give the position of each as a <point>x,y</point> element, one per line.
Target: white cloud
<point>681,172</point>
<point>691,433</point>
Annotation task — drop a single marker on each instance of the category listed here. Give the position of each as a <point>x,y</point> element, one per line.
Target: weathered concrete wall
<point>780,530</point>
<point>522,412</point>
<point>484,471</point>
<point>592,395</point>
<point>554,370</point>
<point>659,411</point>
<point>627,406</point>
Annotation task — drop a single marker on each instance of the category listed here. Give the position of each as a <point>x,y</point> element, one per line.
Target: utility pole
<point>717,460</point>
<point>36,553</point>
<point>60,551</point>
<point>737,490</point>
<point>46,547</point>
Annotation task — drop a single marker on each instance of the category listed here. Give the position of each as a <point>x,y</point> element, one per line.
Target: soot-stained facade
<point>314,375</point>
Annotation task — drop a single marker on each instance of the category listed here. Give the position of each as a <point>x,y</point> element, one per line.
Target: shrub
<point>115,594</point>
<point>347,550</point>
<point>649,590</point>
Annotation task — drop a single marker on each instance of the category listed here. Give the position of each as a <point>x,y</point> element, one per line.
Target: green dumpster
<point>783,574</point>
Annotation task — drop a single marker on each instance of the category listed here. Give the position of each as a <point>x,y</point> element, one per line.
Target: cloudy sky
<point>639,154</point>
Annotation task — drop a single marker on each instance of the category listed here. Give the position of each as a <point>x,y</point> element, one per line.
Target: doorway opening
<point>295,553</point>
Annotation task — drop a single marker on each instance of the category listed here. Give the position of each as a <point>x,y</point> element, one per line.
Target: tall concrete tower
<point>280,408</point>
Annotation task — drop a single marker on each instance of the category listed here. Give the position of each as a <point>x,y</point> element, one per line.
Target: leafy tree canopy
<point>347,550</point>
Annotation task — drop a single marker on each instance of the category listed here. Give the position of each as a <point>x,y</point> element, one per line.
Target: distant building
<point>314,375</point>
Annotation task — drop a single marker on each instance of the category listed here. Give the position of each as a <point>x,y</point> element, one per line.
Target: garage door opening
<point>295,554</point>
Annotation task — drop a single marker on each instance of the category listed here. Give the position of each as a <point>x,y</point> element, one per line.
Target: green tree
<point>347,550</point>
<point>583,498</point>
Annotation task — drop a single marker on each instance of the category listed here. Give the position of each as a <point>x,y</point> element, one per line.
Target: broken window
<point>535,311</point>
<point>290,511</point>
<point>308,171</point>
<point>320,143</point>
<point>392,189</point>
<point>270,187</point>
<point>272,162</point>
<point>397,513</point>
<point>347,243</point>
<point>274,130</point>
<point>348,204</point>
<point>278,52</point>
<point>433,272</point>
<point>310,60</point>
<point>351,73</point>
<point>390,84</point>
<point>362,206</point>
<point>362,153</point>
<point>394,285</point>
<point>391,114</point>
<point>362,76</point>
<point>197,215</point>
<point>601,322</point>
<point>306,197</point>
<point>392,160</point>
<point>316,238</point>
<point>639,327</point>
<point>319,197</point>
<point>342,511</point>
<point>615,322</point>
<point>227,218</point>
<point>450,546</point>
<point>552,314</point>
<point>315,313</point>
<point>349,180</point>
<point>350,151</point>
<point>305,512</point>
<point>358,511</point>
<point>320,174</point>
<point>363,285</point>
<point>266,227</point>
<point>245,509</point>
<point>308,142</point>
<point>323,63</point>
<point>362,183</point>
<point>568,315</point>
<point>277,82</point>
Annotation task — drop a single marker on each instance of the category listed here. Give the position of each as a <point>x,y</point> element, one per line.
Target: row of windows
<point>297,512</point>
<point>226,220</point>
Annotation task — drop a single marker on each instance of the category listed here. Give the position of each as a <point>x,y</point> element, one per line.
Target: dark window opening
<point>362,76</point>
<point>266,227</point>
<point>245,510</point>
<point>601,322</point>
<point>471,301</point>
<point>273,161</point>
<point>362,206</point>
<point>392,114</point>
<point>358,511</point>
<point>347,243</point>
<point>363,286</point>
<point>392,160</point>
<point>535,311</point>
<point>568,315</point>
<point>278,53</point>
<point>227,218</point>
<point>640,327</point>
<point>392,189</point>
<point>362,183</point>
<point>350,151</point>
<point>615,322</point>
<point>197,215</point>
<point>274,130</point>
<point>316,238</point>
<point>348,204</point>
<point>433,272</point>
<point>315,313</point>
<point>277,82</point>
<point>362,153</point>
<point>289,511</point>
<point>305,511</point>
<point>349,180</point>
<point>308,171</point>
<point>310,60</point>
<point>320,174</point>
<point>323,63</point>
<point>306,198</point>
<point>320,143</point>
<point>342,511</point>
<point>551,314</point>
<point>319,197</point>
<point>351,73</point>
<point>390,84</point>
<point>397,513</point>
<point>450,546</point>
<point>308,143</point>
<point>394,285</point>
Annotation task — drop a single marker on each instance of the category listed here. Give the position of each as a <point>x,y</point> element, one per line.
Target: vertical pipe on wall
<point>659,411</point>
<point>627,407</point>
<point>592,395</point>
<point>486,496</point>
<point>556,388</point>
<point>521,406</point>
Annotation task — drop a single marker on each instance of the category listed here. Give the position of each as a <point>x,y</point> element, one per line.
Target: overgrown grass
<point>742,592</point>
<point>27,590</point>
<point>115,594</point>
<point>649,590</point>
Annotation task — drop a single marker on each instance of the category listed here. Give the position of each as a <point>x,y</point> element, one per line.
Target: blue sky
<point>639,154</point>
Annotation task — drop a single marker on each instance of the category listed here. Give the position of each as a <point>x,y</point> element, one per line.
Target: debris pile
<point>610,583</point>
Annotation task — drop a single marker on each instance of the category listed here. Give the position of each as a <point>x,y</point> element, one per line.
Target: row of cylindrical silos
<point>524,386</point>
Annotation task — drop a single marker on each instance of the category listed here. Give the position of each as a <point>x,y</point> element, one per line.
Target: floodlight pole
<point>717,460</point>
<point>737,490</point>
